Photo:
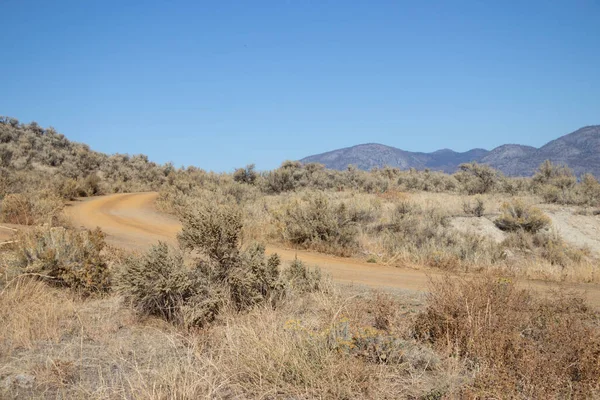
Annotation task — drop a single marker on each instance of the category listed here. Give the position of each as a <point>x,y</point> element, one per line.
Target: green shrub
<point>65,257</point>
<point>516,215</point>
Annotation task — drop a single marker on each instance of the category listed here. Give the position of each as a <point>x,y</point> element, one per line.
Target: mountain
<point>580,150</point>
<point>370,155</point>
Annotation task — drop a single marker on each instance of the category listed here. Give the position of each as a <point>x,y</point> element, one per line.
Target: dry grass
<point>30,312</point>
<point>518,345</point>
<point>316,345</point>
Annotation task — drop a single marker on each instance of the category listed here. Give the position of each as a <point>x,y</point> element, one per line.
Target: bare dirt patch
<point>579,230</point>
<point>480,225</point>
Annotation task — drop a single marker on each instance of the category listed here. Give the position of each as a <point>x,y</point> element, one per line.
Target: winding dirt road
<point>132,222</point>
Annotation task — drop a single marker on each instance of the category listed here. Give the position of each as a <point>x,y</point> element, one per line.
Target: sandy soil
<point>132,222</point>
<point>480,225</point>
<point>579,230</point>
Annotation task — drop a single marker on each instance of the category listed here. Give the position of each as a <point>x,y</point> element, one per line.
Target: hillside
<point>580,150</point>
<point>32,156</point>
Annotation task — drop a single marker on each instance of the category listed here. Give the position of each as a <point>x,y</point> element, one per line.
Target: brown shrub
<point>518,346</point>
<point>65,257</point>
<point>17,209</point>
<point>43,207</point>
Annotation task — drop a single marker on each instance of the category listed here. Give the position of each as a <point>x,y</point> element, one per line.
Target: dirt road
<point>132,222</point>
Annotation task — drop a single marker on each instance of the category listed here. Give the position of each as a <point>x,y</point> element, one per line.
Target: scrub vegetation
<point>215,317</point>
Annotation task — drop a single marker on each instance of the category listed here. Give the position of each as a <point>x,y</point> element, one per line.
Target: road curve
<point>131,221</point>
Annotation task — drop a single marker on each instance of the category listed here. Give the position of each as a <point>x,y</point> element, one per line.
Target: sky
<point>222,84</point>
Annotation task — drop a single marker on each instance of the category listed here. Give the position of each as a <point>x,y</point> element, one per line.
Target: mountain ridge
<point>580,150</point>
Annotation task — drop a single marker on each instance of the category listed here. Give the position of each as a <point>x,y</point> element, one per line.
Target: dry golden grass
<point>316,345</point>
<point>30,312</point>
<point>518,345</point>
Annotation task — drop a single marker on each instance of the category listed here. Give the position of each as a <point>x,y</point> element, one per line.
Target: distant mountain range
<point>580,150</point>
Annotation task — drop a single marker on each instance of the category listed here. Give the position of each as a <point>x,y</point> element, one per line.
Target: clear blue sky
<point>221,84</point>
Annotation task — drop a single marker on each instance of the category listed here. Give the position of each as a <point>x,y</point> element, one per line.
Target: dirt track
<point>131,221</point>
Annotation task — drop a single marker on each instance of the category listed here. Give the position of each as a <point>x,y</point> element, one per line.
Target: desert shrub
<point>68,189</point>
<point>427,181</point>
<point>477,208</point>
<point>159,283</point>
<point>425,236</point>
<point>317,223</point>
<point>517,215</point>
<point>212,228</point>
<point>477,178</point>
<point>548,246</point>
<point>219,274</point>
<point>41,207</point>
<point>556,183</point>
<point>555,250</point>
<point>514,186</point>
<point>283,179</point>
<point>17,209</point>
<point>301,278</point>
<point>246,175</point>
<point>513,340</point>
<point>255,279</point>
<point>65,257</point>
<point>590,188</point>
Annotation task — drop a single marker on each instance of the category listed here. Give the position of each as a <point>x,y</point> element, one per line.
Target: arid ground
<point>131,221</point>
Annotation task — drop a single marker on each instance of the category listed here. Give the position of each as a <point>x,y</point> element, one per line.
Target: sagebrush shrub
<point>517,215</point>
<point>213,228</point>
<point>556,184</point>
<point>65,257</point>
<point>219,274</point>
<point>319,224</point>
<point>159,283</point>
<point>246,175</point>
<point>477,178</point>
<point>40,207</point>
<point>301,278</point>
